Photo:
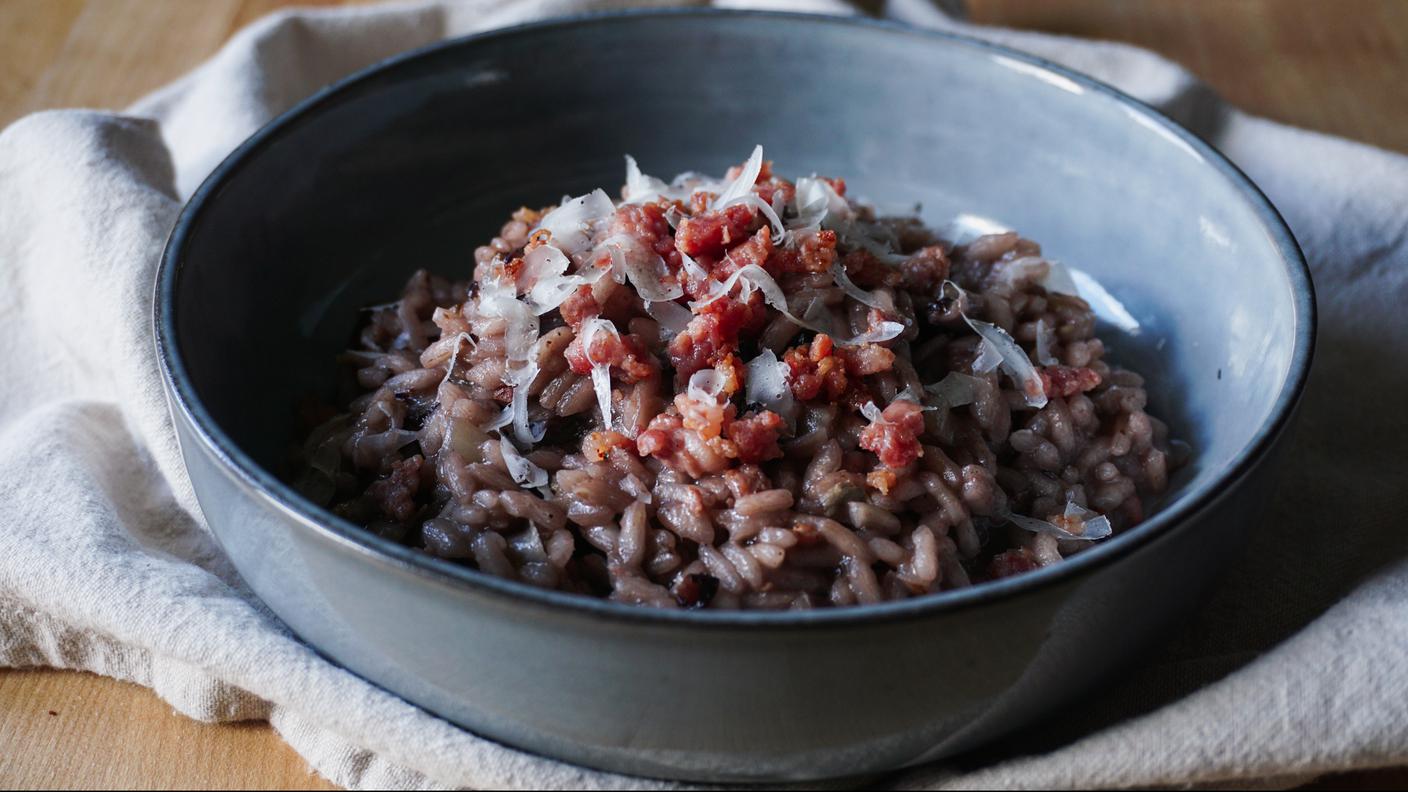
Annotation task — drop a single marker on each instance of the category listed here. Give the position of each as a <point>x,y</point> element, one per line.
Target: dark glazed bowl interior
<point>415,162</point>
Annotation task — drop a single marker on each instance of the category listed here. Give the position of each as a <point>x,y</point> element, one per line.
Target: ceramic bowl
<point>414,162</point>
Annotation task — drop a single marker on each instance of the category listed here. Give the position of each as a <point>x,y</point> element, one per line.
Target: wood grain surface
<point>1336,66</point>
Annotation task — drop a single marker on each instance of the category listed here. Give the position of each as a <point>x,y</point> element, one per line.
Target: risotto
<point>744,392</point>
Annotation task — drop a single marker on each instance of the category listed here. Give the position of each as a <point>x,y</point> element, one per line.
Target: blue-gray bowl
<point>413,162</point>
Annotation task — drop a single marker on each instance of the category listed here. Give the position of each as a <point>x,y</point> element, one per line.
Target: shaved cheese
<point>641,188</point>
<point>910,396</point>
<point>960,295</point>
<point>988,359</point>
<point>871,412</point>
<point>601,372</point>
<point>574,223</point>
<point>875,415</point>
<point>455,355</point>
<point>526,433</point>
<point>644,188</point>
<point>1044,338</point>
<point>746,275</point>
<point>881,302</point>
<point>673,216</point>
<point>818,204</point>
<point>955,389</point>
<point>521,330</point>
<point>779,231</point>
<point>692,267</point>
<point>550,294</point>
<point>743,185</point>
<point>521,378</point>
<point>542,262</point>
<point>1079,523</point>
<point>706,385</point>
<point>504,418</point>
<point>520,468</point>
<point>686,184</point>
<point>1040,526</point>
<point>1095,525</point>
<point>754,276</point>
<point>671,316</point>
<point>545,267</point>
<point>496,299</point>
<point>882,332</point>
<point>810,205</point>
<point>1014,361</point>
<point>642,266</point>
<point>767,383</point>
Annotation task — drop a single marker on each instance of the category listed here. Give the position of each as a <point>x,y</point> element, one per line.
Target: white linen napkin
<point>1298,664</point>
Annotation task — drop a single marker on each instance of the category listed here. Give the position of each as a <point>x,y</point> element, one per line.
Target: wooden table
<point>1337,66</point>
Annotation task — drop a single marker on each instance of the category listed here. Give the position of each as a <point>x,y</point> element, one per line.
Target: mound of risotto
<point>744,392</point>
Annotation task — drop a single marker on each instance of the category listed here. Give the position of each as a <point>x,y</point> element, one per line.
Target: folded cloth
<point>1296,666</point>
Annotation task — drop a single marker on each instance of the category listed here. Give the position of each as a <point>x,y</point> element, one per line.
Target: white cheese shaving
<point>882,301</point>
<point>574,223</point>
<point>871,412</point>
<point>1093,526</point>
<point>1014,361</point>
<point>1096,525</point>
<point>882,332</point>
<point>816,203</point>
<point>641,188</point>
<point>643,267</point>
<point>460,338</point>
<point>1044,338</point>
<point>671,316</point>
<point>520,468</point>
<point>767,383</point>
<point>497,299</point>
<point>673,216</point>
<point>520,379</point>
<point>988,359</point>
<point>1039,526</point>
<point>644,188</point>
<point>544,269</point>
<point>743,185</point>
<point>705,385</point>
<point>543,262</point>
<point>779,231</point>
<point>754,276</point>
<point>693,267</point>
<point>601,372</point>
<point>504,418</point>
<point>909,395</point>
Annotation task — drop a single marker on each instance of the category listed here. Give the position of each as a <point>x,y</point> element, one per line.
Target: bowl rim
<point>185,404</point>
